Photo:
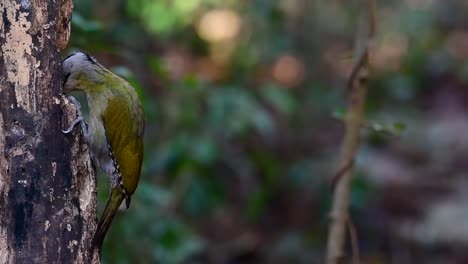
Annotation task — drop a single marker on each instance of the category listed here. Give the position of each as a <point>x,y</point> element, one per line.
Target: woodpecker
<point>115,131</point>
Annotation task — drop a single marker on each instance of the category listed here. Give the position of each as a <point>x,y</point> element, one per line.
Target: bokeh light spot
<point>219,25</point>
<point>288,70</point>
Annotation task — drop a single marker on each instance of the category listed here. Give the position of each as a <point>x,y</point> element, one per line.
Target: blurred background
<point>244,103</point>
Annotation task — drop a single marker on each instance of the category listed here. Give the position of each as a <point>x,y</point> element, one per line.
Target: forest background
<point>244,104</point>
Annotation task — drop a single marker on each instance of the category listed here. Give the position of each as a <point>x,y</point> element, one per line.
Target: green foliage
<point>166,17</point>
<point>240,142</point>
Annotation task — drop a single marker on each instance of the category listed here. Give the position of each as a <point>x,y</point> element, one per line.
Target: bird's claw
<point>79,119</point>
<point>70,129</point>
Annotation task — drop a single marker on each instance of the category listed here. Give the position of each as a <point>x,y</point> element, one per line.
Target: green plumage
<point>126,141</point>
<point>115,133</point>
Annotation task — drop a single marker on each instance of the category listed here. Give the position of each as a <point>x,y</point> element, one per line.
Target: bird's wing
<point>124,124</point>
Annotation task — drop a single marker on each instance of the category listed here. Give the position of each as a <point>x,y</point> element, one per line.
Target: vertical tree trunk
<point>47,182</point>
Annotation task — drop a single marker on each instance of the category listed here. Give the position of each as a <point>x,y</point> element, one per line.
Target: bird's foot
<point>79,118</point>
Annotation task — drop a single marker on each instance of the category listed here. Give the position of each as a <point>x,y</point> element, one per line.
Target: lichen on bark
<point>47,182</point>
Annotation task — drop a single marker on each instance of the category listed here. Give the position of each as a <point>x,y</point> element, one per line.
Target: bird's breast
<point>99,146</point>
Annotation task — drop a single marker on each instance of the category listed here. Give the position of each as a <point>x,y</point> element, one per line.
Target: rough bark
<point>47,182</point>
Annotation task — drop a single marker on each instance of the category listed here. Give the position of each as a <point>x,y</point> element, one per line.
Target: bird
<point>114,133</point>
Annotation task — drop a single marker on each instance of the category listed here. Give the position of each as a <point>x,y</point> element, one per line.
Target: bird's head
<point>80,71</point>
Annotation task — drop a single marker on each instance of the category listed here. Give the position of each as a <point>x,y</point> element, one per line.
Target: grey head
<point>77,66</point>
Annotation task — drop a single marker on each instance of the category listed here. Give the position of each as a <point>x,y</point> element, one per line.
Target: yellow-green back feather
<point>124,123</point>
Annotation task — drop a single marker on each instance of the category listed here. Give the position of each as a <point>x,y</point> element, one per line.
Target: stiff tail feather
<point>115,199</point>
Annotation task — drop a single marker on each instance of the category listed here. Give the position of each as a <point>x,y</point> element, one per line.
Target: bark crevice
<point>47,182</point>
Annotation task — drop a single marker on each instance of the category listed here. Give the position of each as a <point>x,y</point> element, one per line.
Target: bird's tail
<point>115,199</point>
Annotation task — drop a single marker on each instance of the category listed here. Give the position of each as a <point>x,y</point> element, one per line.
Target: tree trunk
<point>47,182</point>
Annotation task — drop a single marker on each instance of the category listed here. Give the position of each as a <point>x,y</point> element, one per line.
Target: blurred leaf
<point>235,112</point>
<point>280,98</point>
<point>399,127</point>
<point>401,87</point>
<point>158,67</point>
<point>163,16</point>
<point>362,192</point>
<point>85,24</point>
<point>175,242</point>
<point>394,129</point>
<point>191,81</point>
<point>203,195</point>
<point>256,203</point>
<point>268,166</point>
<point>204,150</point>
<point>339,113</point>
<point>153,196</point>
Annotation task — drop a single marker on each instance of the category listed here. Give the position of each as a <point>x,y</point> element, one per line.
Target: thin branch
<point>354,242</point>
<point>358,66</point>
<point>342,170</point>
<point>357,91</point>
